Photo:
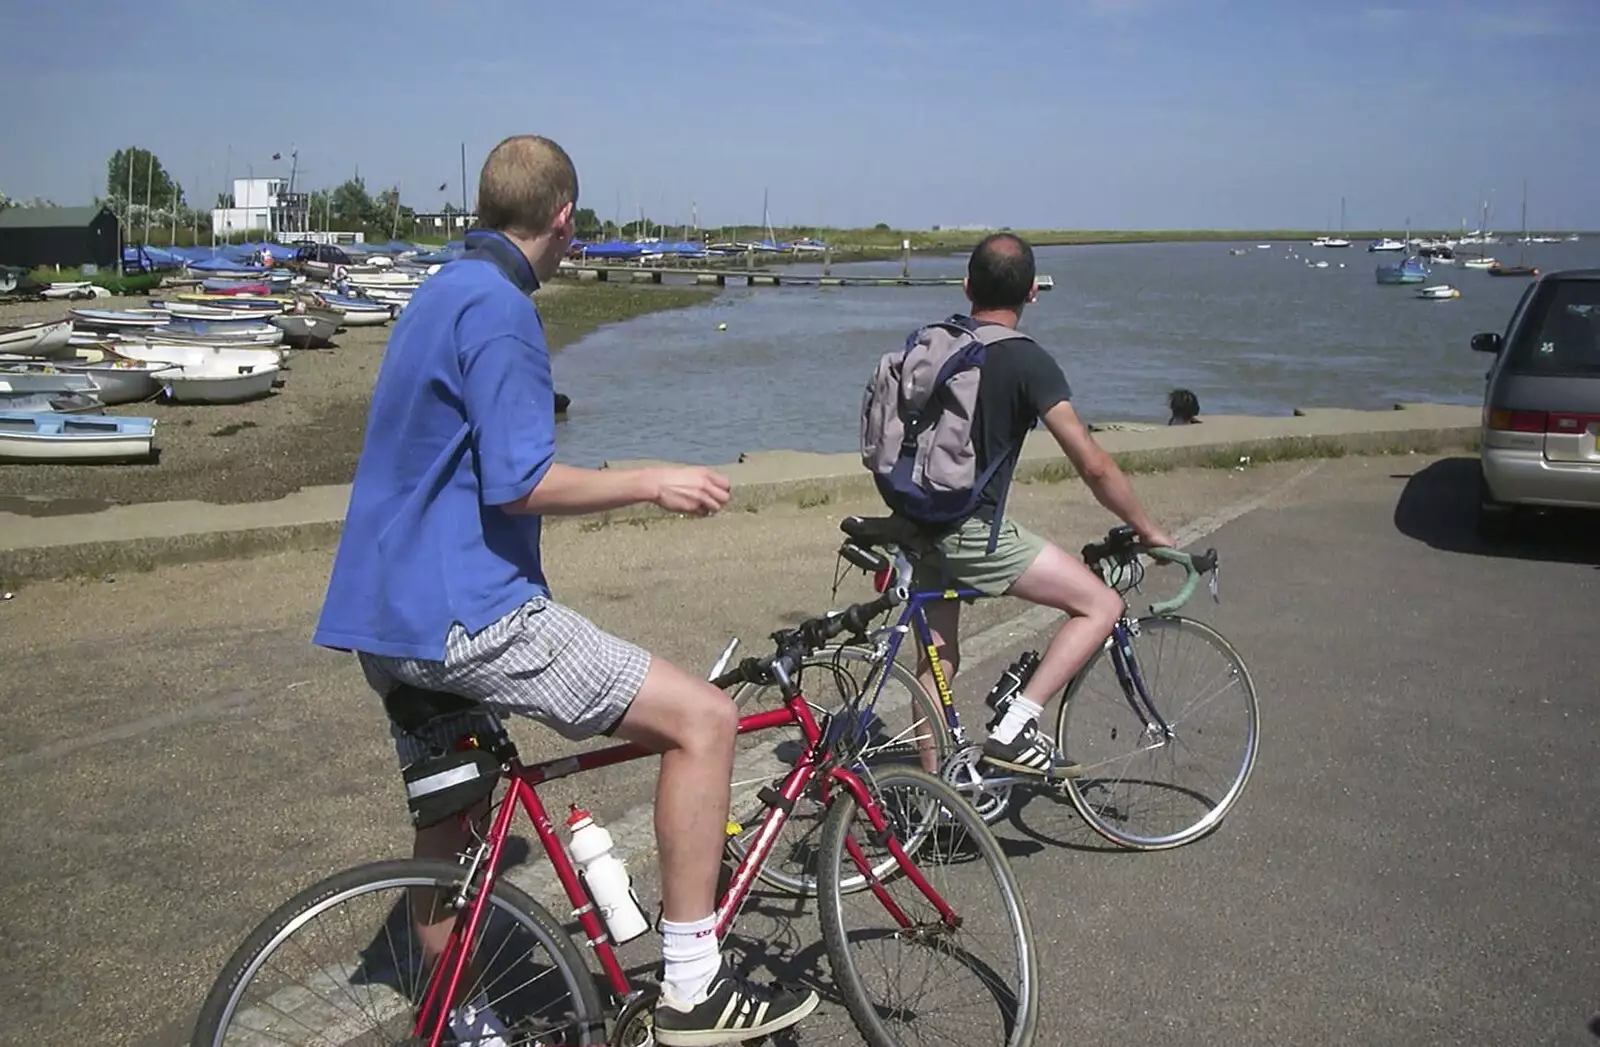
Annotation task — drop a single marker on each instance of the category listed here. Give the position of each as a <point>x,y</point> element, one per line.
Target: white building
<point>261,203</point>
<point>446,223</point>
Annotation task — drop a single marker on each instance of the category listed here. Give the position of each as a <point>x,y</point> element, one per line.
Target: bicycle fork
<point>1134,691</point>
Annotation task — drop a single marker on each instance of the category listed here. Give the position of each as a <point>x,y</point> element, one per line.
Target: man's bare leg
<point>693,726</point>
<point>1057,579</point>
<point>443,841</point>
<point>430,917</point>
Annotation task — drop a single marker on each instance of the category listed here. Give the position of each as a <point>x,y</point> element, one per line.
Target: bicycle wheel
<point>989,950</point>
<point>293,982</point>
<point>1144,788</point>
<point>908,727</point>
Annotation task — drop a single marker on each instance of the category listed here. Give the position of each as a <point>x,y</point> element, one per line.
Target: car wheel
<point>1496,520</point>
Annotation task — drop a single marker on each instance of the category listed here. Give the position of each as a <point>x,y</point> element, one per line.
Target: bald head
<point>525,182</point>
<point>1000,272</point>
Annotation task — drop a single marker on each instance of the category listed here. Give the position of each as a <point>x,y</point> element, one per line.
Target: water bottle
<point>606,877</point>
<point>1014,679</point>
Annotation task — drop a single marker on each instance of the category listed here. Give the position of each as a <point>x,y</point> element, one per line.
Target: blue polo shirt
<point>462,421</point>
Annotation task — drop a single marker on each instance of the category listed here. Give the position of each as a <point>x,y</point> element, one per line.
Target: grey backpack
<point>917,423</point>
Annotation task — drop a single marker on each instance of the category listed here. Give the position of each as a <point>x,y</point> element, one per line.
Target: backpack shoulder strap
<point>951,325</point>
<point>993,334</point>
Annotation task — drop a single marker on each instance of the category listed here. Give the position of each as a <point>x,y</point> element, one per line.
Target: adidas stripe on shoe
<point>733,1009</point>
<point>1030,752</point>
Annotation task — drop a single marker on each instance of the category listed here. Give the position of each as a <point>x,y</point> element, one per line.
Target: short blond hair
<point>525,180</point>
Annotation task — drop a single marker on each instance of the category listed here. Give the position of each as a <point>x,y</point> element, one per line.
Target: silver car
<point>1541,404</point>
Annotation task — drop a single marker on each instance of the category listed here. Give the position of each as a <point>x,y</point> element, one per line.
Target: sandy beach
<point>307,432</point>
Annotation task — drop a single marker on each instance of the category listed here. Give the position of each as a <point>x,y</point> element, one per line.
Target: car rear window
<point>1562,334</point>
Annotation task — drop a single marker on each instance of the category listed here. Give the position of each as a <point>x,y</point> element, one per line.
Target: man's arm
<point>1100,472</point>
<point>567,490</point>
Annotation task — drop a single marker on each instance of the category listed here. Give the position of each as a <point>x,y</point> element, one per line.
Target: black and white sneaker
<point>732,1010</point>
<point>1030,752</point>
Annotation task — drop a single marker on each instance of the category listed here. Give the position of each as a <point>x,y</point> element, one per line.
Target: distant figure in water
<point>1185,407</point>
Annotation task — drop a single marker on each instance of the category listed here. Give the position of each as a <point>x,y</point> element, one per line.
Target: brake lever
<point>722,663</point>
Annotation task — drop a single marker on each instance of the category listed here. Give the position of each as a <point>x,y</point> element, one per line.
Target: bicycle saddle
<point>880,530</point>
<point>412,707</point>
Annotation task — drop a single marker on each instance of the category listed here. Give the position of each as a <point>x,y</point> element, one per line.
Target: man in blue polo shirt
<point>438,582</point>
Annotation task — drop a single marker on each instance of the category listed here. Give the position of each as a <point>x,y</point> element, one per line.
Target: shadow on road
<point>1439,507</point>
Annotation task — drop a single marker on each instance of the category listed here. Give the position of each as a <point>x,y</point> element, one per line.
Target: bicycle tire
<point>864,1012</point>
<point>1214,816</point>
<point>221,1001</point>
<point>805,885</point>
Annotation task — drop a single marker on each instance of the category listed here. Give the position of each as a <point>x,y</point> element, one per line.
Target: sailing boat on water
<point>1409,270</point>
<point>1478,259</point>
<point>1338,241</point>
<point>1522,268</point>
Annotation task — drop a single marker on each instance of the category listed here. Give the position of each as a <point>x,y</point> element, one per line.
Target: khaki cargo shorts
<point>962,558</point>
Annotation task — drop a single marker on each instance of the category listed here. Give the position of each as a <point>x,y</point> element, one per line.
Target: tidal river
<point>1258,333</point>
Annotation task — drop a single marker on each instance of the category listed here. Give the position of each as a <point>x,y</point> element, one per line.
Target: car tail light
<point>1571,423</point>
<point>1517,421</point>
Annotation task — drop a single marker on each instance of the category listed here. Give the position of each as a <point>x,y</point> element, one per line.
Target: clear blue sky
<point>1077,113</point>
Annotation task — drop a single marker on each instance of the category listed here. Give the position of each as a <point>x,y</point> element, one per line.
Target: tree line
<point>141,190</point>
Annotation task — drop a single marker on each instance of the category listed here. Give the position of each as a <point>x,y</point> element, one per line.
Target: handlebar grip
<point>1193,567</point>
<point>854,618</point>
<point>749,670</point>
<point>858,617</point>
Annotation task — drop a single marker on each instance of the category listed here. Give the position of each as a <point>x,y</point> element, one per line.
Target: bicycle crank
<point>636,1026</point>
<point>988,796</point>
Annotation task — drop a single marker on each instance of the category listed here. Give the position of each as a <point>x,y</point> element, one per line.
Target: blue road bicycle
<point>1162,724</point>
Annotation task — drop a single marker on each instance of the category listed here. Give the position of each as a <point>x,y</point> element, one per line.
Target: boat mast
<point>1522,248</point>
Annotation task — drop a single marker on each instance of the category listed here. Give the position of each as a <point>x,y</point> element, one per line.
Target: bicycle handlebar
<point>793,645</point>
<point>1193,567</point>
<point>1122,546</point>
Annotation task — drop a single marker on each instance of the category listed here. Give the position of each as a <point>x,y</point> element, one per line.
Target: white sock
<point>1018,713</point>
<point>690,957</point>
<point>475,1024</point>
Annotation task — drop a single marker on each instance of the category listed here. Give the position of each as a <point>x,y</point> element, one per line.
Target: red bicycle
<point>340,962</point>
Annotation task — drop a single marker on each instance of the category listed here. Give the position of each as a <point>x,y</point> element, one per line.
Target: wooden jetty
<point>623,273</point>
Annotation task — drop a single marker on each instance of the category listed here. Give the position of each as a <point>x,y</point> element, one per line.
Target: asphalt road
<point>1413,861</point>
<point>1411,864</point>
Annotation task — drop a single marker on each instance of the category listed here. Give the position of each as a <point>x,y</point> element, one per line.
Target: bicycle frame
<point>523,793</point>
<point>913,618</point>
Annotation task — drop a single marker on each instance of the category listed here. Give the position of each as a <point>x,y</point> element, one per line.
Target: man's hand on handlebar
<point>1155,537</point>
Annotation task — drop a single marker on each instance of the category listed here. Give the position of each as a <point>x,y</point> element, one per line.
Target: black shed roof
<point>48,217</point>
